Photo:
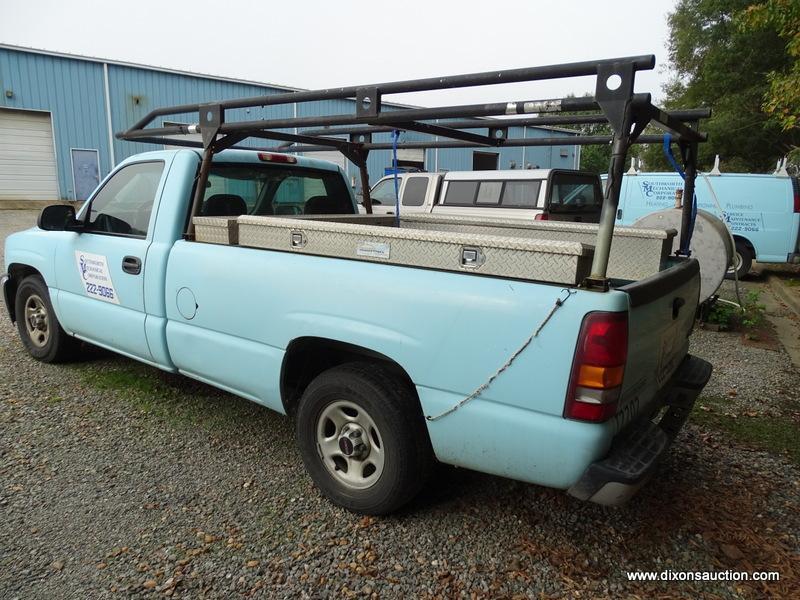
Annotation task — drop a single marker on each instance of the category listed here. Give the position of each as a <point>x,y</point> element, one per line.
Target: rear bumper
<point>635,454</point>
<point>5,288</point>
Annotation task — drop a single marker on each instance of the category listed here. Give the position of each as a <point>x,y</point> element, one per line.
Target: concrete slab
<point>786,322</point>
<point>784,294</point>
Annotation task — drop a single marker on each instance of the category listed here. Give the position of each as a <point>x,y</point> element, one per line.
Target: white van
<point>540,194</point>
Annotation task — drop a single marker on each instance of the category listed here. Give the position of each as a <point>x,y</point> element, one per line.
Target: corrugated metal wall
<point>135,92</point>
<point>73,90</point>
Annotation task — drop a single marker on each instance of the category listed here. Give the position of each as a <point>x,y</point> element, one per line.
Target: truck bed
<point>558,253</point>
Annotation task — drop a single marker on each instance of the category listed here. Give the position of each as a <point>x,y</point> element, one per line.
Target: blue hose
<point>395,137</point>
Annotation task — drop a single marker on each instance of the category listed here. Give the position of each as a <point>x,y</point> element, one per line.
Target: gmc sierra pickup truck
<point>534,350</point>
<point>309,335</point>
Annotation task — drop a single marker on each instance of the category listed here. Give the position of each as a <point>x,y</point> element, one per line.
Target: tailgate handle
<point>677,303</point>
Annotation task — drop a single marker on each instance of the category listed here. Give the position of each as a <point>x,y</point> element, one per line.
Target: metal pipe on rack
<point>560,71</point>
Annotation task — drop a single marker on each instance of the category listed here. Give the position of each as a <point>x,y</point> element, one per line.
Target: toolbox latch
<point>471,257</point>
<point>298,239</point>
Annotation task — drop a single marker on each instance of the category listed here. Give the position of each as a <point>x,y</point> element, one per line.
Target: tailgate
<point>661,316</point>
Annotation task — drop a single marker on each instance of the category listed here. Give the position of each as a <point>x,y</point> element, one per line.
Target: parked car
<point>541,194</point>
<point>293,316</point>
<point>762,212</point>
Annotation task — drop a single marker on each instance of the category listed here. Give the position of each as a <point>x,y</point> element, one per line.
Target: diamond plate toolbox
<point>635,253</point>
<point>551,261</point>
<point>216,230</point>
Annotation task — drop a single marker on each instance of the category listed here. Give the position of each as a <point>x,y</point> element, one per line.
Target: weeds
<point>776,434</point>
<point>754,312</point>
<point>722,314</point>
<point>728,316</point>
<point>172,398</point>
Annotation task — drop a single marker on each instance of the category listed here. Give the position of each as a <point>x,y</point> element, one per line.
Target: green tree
<point>782,99</point>
<point>719,63</point>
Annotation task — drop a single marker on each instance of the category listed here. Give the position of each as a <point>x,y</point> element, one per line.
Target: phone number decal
<point>95,276</point>
<point>99,290</point>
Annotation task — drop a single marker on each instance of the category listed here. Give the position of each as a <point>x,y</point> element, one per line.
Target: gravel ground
<point>117,480</point>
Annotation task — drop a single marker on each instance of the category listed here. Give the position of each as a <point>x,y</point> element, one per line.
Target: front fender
<point>8,293</point>
<point>35,249</point>
<point>28,252</point>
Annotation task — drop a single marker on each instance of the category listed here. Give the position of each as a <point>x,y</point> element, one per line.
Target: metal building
<point>59,113</point>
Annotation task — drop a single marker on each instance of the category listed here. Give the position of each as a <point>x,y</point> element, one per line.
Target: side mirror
<point>59,217</point>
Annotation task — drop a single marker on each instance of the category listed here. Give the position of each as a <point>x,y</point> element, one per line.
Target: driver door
<point>101,269</point>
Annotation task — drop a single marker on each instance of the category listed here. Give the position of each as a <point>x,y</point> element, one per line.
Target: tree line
<point>741,58</point>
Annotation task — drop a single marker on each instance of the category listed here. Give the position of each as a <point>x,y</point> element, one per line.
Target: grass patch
<point>173,398</point>
<point>779,434</point>
<point>792,282</point>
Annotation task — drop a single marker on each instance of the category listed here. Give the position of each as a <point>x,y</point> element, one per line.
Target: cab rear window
<point>256,189</point>
<point>502,194</point>
<point>574,193</point>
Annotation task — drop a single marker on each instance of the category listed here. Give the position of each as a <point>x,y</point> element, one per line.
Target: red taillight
<point>598,367</point>
<point>277,158</point>
<point>796,190</point>
<point>542,217</point>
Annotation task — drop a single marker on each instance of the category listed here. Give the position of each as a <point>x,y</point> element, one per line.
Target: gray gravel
<point>117,480</point>
<point>750,379</point>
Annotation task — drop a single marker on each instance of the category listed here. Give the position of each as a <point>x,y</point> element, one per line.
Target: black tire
<point>46,340</point>
<point>387,400</point>
<point>743,261</point>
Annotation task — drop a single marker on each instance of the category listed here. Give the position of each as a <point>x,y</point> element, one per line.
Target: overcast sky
<point>317,43</point>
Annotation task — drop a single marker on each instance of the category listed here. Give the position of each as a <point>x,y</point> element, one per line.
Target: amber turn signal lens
<point>600,378</point>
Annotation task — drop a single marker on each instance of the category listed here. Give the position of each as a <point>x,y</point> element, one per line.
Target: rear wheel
<point>39,330</point>
<point>742,262</point>
<point>363,438</point>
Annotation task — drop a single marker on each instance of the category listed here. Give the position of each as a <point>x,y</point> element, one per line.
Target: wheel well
<point>307,357</point>
<point>747,243</point>
<point>16,273</point>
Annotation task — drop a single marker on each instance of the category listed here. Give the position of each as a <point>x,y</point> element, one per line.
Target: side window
<point>124,203</point>
<point>461,193</point>
<point>383,193</point>
<point>489,192</point>
<point>521,194</point>
<point>414,192</point>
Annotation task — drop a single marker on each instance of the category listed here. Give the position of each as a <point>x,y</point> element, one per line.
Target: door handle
<point>132,265</point>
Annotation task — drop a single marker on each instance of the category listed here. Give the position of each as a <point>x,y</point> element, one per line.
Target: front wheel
<point>363,438</point>
<point>38,328</point>
<point>743,262</point>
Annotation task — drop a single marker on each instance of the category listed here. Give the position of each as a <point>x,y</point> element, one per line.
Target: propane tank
<point>711,244</point>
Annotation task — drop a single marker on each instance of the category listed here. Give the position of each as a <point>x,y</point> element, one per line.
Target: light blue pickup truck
<point>761,211</point>
<point>534,350</point>
<point>589,405</point>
